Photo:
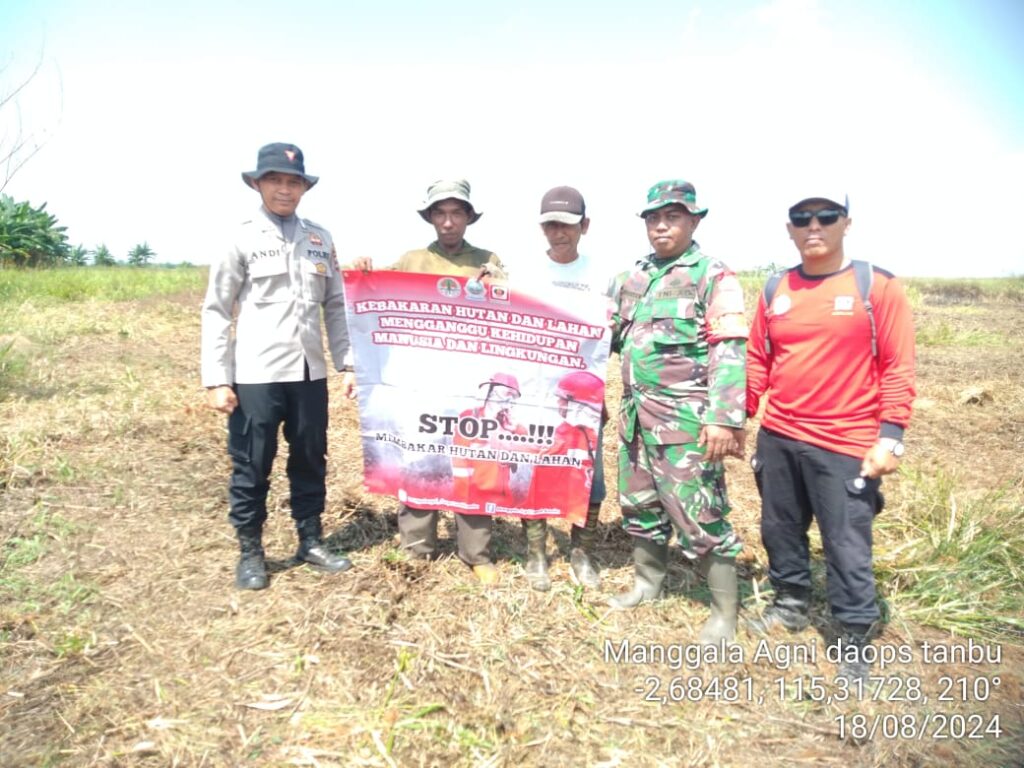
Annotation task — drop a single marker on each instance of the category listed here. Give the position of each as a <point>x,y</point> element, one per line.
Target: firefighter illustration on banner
<point>580,397</point>
<point>475,480</point>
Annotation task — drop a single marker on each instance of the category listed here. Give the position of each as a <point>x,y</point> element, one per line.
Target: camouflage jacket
<point>681,333</point>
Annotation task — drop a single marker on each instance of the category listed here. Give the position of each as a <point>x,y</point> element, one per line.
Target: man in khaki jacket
<point>449,209</point>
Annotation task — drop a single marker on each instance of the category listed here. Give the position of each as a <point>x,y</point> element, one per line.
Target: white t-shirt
<point>582,274</point>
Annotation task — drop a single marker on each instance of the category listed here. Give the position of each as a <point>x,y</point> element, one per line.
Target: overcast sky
<point>151,110</point>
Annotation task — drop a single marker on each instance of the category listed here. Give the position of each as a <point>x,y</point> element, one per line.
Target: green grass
<point>12,364</point>
<point>953,561</point>
<point>65,593</point>
<point>942,290</point>
<point>103,283</point>
<point>920,290</point>
<point>21,551</point>
<point>945,334</point>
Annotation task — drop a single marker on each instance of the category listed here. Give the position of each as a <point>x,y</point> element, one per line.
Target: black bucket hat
<point>282,158</point>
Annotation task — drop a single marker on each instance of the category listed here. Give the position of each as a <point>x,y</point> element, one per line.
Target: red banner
<point>475,397</point>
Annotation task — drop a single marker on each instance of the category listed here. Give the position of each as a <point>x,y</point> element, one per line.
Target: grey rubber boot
<point>720,573</point>
<point>536,566</point>
<point>313,551</point>
<point>251,571</point>
<point>852,663</point>
<point>583,569</point>
<point>650,563</point>
<point>790,609</point>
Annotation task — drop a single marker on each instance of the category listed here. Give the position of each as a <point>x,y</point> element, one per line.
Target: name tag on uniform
<point>843,304</point>
<point>268,267</point>
<point>677,292</point>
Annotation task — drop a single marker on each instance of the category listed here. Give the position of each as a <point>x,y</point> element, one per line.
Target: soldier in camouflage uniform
<point>681,333</point>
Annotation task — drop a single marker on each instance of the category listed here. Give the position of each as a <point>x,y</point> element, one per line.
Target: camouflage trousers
<point>670,487</point>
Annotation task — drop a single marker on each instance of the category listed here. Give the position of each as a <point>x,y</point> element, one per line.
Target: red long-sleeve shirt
<point>823,385</point>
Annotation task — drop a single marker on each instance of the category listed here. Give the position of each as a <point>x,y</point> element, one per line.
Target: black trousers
<point>252,443</point>
<point>798,482</point>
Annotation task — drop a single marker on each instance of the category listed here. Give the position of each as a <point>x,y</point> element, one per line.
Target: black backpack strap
<point>864,275</point>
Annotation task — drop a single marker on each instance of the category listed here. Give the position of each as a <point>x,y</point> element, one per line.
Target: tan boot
<point>487,574</point>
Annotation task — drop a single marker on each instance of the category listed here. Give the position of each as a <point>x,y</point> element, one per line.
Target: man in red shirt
<point>833,355</point>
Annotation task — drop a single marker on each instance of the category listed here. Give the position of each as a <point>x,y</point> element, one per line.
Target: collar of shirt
<point>286,226</point>
<point>687,258</point>
<point>435,247</point>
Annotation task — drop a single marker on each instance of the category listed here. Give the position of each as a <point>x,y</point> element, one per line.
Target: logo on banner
<point>449,288</point>
<point>475,290</point>
<point>499,292</point>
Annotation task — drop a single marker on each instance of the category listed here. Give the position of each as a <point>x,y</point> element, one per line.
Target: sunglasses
<point>826,217</point>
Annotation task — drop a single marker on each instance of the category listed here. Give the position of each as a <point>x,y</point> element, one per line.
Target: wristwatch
<point>894,446</point>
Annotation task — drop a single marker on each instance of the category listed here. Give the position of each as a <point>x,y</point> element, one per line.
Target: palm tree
<point>30,237</point>
<point>140,255</point>
<point>102,257</point>
<point>78,256</point>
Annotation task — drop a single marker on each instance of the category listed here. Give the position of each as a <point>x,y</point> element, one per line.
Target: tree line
<point>32,237</point>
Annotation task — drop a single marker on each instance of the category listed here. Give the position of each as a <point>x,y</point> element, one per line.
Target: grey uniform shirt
<point>279,288</point>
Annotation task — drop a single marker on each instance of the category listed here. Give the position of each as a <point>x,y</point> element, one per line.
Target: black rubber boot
<point>313,551</point>
<point>650,563</point>
<point>720,573</point>
<point>251,571</point>
<point>536,566</point>
<point>583,569</point>
<point>790,609</point>
<point>853,665</point>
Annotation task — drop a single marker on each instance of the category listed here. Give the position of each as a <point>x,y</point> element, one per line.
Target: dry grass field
<point>124,643</point>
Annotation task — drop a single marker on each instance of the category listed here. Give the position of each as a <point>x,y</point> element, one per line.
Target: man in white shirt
<point>563,219</point>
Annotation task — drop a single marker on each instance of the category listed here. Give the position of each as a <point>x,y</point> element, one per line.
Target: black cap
<point>280,158</point>
<point>564,204</point>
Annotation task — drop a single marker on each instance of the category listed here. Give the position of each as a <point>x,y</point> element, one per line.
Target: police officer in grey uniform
<point>281,274</point>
